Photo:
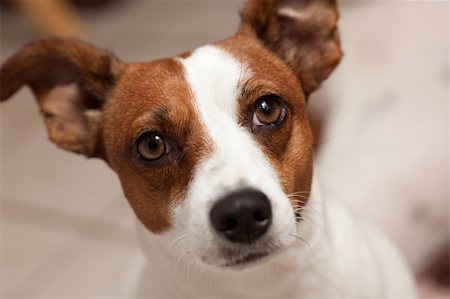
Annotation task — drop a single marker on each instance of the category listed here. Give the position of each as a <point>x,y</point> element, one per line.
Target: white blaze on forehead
<point>214,77</point>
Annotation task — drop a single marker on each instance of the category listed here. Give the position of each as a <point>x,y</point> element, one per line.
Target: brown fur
<point>162,92</point>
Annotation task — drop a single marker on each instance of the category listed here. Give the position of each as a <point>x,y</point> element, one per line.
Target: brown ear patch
<point>58,61</point>
<point>303,33</point>
<point>71,80</point>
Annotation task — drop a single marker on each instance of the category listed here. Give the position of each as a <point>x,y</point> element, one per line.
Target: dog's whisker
<point>297,194</point>
<point>178,262</point>
<point>307,208</point>
<point>303,202</point>
<point>303,195</point>
<point>181,253</point>
<point>310,209</point>
<point>177,238</point>
<point>304,241</point>
<point>300,192</point>
<point>316,223</point>
<point>299,199</point>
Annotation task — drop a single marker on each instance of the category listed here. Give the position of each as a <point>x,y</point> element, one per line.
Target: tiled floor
<point>66,230</point>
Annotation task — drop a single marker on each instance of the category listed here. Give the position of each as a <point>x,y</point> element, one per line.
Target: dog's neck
<point>173,272</point>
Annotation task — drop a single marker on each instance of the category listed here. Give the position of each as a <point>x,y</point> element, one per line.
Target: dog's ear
<point>71,81</point>
<point>303,33</point>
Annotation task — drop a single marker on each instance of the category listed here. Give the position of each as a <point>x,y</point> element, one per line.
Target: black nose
<point>242,216</point>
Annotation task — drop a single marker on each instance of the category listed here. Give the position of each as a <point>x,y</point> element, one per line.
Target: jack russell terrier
<point>215,155</point>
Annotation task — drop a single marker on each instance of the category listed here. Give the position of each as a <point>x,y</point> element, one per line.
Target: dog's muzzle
<point>242,217</point>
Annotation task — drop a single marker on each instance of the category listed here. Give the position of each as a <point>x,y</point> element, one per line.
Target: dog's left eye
<point>269,110</point>
<point>151,146</point>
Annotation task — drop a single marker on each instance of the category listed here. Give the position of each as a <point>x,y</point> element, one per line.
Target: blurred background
<point>382,145</point>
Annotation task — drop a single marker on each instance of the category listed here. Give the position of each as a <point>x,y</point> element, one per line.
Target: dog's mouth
<point>246,260</point>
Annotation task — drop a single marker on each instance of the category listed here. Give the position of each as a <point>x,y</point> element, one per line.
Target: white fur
<point>329,254</point>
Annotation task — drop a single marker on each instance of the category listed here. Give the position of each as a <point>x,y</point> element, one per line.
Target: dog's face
<point>212,146</point>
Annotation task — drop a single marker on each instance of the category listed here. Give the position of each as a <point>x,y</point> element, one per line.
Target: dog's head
<point>210,144</point>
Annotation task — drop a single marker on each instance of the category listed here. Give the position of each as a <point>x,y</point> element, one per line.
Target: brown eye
<point>269,111</point>
<point>151,146</point>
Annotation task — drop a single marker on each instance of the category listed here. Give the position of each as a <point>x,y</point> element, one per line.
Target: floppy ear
<point>71,81</point>
<point>302,33</point>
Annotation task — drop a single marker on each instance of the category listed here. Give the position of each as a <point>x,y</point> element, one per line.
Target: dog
<point>214,153</point>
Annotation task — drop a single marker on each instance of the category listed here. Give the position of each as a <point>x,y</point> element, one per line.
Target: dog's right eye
<point>151,146</point>
<point>269,112</point>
